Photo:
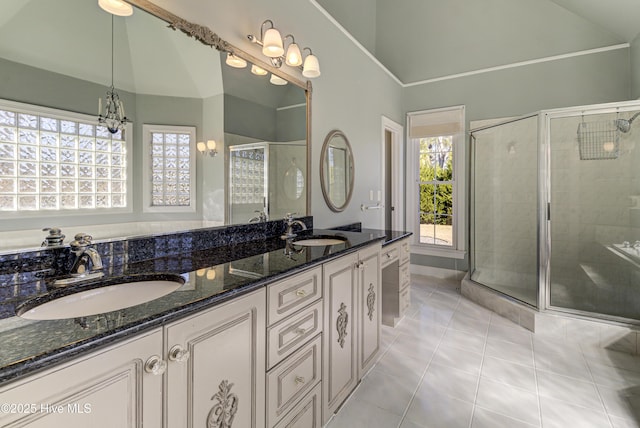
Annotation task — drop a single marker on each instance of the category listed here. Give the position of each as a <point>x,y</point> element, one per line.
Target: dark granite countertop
<point>211,277</point>
<point>390,236</point>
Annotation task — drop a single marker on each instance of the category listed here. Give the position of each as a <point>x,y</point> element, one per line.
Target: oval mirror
<point>336,171</point>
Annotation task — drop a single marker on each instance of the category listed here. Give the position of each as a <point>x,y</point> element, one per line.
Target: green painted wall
<point>635,68</point>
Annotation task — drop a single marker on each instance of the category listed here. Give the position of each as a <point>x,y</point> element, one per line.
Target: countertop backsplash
<point>24,274</point>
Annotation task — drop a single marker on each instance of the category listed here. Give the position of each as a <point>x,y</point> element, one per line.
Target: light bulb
<point>272,43</point>
<point>311,66</point>
<point>211,274</point>
<point>258,71</point>
<point>294,57</point>
<point>211,144</point>
<point>277,80</point>
<point>201,272</point>
<point>116,7</point>
<point>201,146</point>
<point>234,61</point>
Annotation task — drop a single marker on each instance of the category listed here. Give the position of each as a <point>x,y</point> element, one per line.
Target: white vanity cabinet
<point>216,365</point>
<point>294,351</point>
<point>107,388</point>
<point>396,296</point>
<point>351,340</point>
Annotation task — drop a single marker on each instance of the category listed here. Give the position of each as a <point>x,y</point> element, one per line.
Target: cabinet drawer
<point>307,413</point>
<point>389,254</point>
<point>405,252</point>
<point>405,300</point>
<point>288,382</point>
<point>405,276</point>
<point>288,335</point>
<point>292,294</point>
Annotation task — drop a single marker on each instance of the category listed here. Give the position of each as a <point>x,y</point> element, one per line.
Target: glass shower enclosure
<point>556,210</point>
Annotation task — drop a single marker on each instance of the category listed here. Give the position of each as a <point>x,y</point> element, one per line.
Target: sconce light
<point>293,57</point>
<point>276,80</point>
<point>210,273</point>
<point>234,61</point>
<point>116,7</point>
<point>271,41</point>
<point>311,66</point>
<point>273,47</point>
<point>258,71</point>
<point>209,147</point>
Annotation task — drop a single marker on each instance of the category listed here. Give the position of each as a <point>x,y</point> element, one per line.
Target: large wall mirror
<point>336,171</point>
<point>61,56</point>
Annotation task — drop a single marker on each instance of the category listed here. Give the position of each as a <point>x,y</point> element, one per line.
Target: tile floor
<point>451,363</point>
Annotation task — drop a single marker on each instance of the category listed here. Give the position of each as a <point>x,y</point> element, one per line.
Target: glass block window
<point>171,164</point>
<point>57,161</point>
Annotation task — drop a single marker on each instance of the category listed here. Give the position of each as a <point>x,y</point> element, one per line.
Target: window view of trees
<point>436,186</point>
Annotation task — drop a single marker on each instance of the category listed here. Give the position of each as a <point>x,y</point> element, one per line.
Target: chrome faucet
<point>260,218</point>
<point>85,256</point>
<point>289,221</point>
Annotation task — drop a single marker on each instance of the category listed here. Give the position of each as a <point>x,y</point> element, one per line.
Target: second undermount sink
<point>64,303</point>
<point>319,241</point>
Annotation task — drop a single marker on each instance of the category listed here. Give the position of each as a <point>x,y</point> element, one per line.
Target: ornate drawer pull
<point>300,380</point>
<point>155,365</point>
<point>301,293</point>
<point>301,331</point>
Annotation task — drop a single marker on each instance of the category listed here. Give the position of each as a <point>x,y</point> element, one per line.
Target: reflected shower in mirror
<point>57,56</point>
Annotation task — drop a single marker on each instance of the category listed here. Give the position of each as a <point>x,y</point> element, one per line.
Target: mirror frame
<point>323,155</point>
<point>207,37</point>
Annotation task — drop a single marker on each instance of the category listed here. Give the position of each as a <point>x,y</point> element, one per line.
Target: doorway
<point>392,184</point>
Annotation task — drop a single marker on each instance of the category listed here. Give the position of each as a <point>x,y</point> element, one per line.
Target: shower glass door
<point>594,222</point>
<point>505,214</point>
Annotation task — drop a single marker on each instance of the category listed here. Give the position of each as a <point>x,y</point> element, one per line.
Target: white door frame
<point>397,166</point>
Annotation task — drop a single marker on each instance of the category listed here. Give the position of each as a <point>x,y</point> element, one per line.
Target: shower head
<point>624,125</point>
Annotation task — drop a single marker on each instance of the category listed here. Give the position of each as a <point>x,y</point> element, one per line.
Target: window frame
<point>62,114</point>
<point>147,129</point>
<point>459,219</point>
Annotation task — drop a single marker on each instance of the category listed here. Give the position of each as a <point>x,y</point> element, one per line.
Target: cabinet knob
<point>300,380</point>
<point>155,365</point>
<point>388,255</point>
<point>301,293</point>
<point>179,354</point>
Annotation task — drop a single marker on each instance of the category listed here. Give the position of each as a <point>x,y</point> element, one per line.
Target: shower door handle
<point>548,211</point>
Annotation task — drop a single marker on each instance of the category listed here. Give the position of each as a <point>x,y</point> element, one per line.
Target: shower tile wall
<point>505,217</point>
<point>593,207</point>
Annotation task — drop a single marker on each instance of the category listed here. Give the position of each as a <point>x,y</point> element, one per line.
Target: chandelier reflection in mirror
<point>273,46</point>
<point>113,117</point>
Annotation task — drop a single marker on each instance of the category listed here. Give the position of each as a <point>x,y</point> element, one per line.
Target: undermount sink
<point>64,303</point>
<point>319,241</point>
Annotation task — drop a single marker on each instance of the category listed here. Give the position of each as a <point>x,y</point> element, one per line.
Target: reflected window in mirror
<point>170,168</point>
<point>58,161</point>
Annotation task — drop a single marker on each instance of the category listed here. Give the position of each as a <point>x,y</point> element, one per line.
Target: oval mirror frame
<point>345,189</point>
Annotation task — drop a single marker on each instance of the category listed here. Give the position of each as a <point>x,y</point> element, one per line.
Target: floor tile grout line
<point>595,384</point>
<point>475,395</point>
<point>424,372</point>
<point>535,375</point>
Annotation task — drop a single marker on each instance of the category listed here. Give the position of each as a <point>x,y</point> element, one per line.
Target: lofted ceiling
<point>420,40</point>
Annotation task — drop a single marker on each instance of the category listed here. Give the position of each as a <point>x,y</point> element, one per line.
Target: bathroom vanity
<point>277,336</point>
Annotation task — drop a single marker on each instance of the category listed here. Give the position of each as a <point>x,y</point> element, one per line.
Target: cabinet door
<point>222,382</point>
<point>108,388</point>
<point>370,308</point>
<point>340,364</point>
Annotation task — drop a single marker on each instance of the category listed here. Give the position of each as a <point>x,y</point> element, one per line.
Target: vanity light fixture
<point>114,117</point>
<point>235,61</point>
<point>273,47</point>
<point>311,66</point>
<point>294,56</point>
<point>276,80</point>
<point>271,41</point>
<point>258,71</point>
<point>208,147</point>
<point>116,7</point>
